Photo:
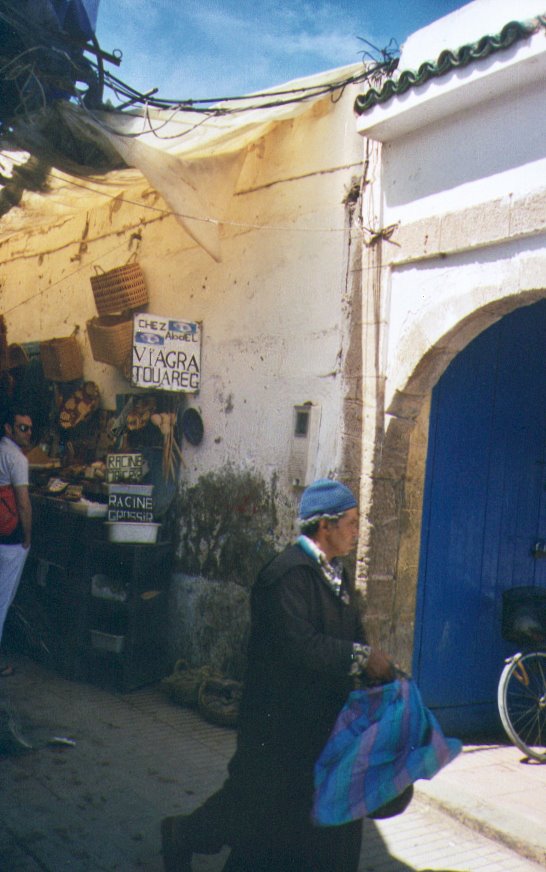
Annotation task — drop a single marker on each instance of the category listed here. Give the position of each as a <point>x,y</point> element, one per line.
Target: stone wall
<point>208,624</point>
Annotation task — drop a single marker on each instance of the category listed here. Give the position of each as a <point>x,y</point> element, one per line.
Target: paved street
<point>425,838</point>
<point>95,807</point>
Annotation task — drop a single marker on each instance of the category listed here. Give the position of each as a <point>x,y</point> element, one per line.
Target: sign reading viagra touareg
<point>166,353</point>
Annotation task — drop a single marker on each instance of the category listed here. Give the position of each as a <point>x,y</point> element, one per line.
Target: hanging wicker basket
<point>62,359</point>
<point>119,289</point>
<point>111,339</point>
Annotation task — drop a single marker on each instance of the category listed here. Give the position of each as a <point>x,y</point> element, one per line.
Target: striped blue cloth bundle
<point>384,739</point>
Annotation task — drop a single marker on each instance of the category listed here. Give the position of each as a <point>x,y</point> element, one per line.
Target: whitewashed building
<point>454,429</point>
<point>368,270</point>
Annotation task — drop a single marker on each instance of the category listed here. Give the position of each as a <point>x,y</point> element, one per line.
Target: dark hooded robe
<point>297,681</point>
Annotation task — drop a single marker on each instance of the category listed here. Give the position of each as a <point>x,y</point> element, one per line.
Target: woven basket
<point>111,339</point>
<point>119,289</point>
<point>17,356</point>
<point>184,683</point>
<point>219,699</point>
<point>62,359</point>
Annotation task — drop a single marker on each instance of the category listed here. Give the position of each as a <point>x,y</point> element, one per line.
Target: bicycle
<point>521,695</point>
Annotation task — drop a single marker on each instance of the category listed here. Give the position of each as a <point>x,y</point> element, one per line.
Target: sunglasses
<point>23,428</point>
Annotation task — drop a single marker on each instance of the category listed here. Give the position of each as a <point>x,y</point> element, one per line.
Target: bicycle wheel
<point>522,702</point>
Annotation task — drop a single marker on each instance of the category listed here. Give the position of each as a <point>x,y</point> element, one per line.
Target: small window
<point>302,423</point>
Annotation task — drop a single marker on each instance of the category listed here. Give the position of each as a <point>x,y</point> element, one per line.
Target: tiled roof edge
<point>450,60</point>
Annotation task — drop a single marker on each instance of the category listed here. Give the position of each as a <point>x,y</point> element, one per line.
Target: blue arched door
<point>484,509</point>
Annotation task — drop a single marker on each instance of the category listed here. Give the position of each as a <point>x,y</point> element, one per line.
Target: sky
<point>197,49</point>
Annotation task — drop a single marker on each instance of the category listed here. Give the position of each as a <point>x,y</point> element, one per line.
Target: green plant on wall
<point>227,524</point>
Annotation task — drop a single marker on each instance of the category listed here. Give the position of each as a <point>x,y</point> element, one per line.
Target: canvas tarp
<point>192,160</point>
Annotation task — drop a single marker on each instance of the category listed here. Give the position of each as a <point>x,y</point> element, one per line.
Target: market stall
<point>93,600</point>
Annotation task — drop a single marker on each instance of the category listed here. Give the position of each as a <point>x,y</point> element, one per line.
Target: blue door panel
<point>453,521</point>
<point>484,507</point>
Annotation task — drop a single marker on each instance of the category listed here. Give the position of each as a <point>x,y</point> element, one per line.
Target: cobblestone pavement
<point>96,806</point>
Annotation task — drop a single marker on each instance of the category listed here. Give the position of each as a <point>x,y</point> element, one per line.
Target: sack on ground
<point>384,739</point>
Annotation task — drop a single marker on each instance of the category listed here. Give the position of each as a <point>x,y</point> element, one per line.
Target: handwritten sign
<point>124,467</point>
<point>130,502</point>
<point>166,353</point>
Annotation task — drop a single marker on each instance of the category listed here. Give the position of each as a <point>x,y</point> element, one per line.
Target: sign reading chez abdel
<point>166,353</point>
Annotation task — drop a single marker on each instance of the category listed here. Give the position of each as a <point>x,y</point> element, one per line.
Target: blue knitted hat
<point>325,497</point>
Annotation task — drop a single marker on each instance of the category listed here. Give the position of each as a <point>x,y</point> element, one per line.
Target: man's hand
<point>379,669</point>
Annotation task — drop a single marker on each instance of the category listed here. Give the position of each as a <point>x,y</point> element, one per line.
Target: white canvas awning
<point>192,159</point>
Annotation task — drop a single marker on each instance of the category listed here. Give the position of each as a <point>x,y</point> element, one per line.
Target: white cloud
<point>227,47</point>
<point>282,30</point>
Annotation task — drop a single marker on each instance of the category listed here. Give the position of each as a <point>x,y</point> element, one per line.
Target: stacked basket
<point>118,293</point>
<point>62,359</point>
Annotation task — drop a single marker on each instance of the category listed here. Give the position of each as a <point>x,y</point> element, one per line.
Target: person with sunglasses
<point>15,510</point>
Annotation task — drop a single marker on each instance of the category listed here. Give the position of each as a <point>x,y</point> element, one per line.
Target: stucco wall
<point>277,311</point>
<point>469,203</point>
<point>274,325</point>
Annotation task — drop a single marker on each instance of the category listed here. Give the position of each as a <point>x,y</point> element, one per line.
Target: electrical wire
<point>352,231</point>
<point>260,100</point>
<point>44,36</point>
<point>206,107</point>
<point>162,103</point>
<point>107,128</point>
<point>292,95</point>
<point>63,279</point>
<point>45,39</point>
<point>48,41</point>
<point>242,225</point>
<point>104,255</point>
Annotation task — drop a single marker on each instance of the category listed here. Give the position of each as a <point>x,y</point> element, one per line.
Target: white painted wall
<point>464,179</point>
<point>461,195</point>
<point>429,299</point>
<point>491,151</point>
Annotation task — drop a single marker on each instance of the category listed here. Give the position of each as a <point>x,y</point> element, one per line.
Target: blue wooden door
<point>484,508</point>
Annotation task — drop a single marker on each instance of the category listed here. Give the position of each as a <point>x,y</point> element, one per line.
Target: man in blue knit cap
<point>306,646</point>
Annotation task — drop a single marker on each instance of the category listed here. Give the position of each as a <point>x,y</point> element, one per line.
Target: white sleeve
<point>19,470</point>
